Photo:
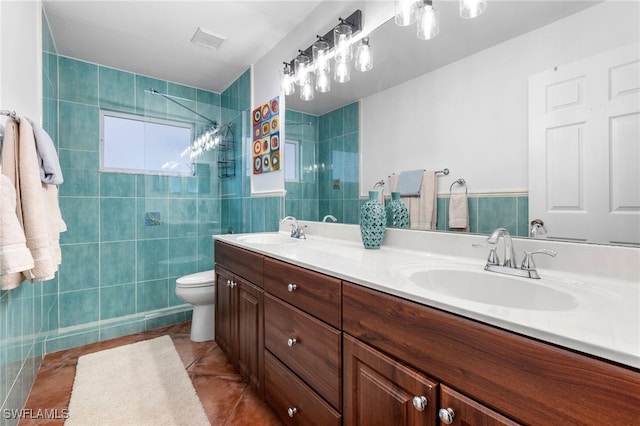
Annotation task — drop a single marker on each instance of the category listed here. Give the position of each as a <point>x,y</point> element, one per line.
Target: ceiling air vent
<point>207,38</point>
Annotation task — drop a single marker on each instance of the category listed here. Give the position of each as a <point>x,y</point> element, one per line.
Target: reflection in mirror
<point>450,105</point>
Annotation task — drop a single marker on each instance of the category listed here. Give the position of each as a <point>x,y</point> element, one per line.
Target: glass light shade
<point>428,26</point>
<point>342,72</point>
<point>301,69</point>
<point>364,56</point>
<point>472,8</point>
<point>342,41</point>
<point>406,11</point>
<point>321,57</point>
<point>286,81</point>
<point>323,82</point>
<point>306,91</point>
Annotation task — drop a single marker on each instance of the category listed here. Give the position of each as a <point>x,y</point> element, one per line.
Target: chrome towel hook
<point>460,182</point>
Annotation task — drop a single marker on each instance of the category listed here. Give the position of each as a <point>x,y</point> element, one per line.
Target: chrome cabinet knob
<point>292,341</point>
<point>420,403</point>
<point>446,415</point>
<point>292,411</point>
<point>291,287</point>
<point>228,283</point>
<point>233,284</point>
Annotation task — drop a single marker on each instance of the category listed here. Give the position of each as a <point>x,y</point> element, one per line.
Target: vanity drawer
<point>317,294</point>
<point>285,391</point>
<point>316,354</point>
<point>242,262</point>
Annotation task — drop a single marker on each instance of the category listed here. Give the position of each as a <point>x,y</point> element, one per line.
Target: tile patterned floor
<point>226,398</point>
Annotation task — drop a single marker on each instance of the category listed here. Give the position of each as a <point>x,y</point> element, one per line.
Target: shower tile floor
<point>226,398</point>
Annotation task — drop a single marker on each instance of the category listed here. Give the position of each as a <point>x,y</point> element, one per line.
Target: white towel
<point>15,257</point>
<point>37,206</point>
<point>459,212</point>
<point>410,183</point>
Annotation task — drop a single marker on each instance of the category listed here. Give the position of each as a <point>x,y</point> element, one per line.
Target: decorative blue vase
<point>373,221</point>
<point>397,213</point>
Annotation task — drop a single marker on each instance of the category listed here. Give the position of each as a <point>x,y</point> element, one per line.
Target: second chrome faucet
<point>297,231</point>
<point>509,265</point>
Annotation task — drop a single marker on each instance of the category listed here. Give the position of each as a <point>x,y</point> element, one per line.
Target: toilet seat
<point>199,279</point>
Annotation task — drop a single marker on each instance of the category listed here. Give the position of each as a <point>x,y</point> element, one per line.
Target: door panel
<point>584,148</point>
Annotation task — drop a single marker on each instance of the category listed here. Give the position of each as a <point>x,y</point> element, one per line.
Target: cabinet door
<point>381,391</point>
<point>250,352</point>
<point>460,410</point>
<point>226,320</point>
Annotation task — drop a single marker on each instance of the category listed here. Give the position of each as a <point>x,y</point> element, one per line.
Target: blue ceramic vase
<point>373,220</point>
<point>397,213</point>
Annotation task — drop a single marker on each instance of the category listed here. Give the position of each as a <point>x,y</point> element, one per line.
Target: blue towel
<point>409,183</point>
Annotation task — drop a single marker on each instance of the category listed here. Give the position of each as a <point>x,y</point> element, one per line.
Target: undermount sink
<point>492,289</point>
<point>268,239</point>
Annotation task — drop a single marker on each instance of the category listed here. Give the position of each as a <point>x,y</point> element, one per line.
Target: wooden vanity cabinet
<point>380,391</point>
<point>239,317</point>
<point>499,372</point>
<point>303,344</point>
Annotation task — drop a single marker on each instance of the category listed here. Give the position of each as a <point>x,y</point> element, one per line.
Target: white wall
<point>266,77</point>
<point>471,116</point>
<point>21,57</point>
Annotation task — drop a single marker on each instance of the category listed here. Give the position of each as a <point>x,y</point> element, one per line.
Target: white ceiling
<point>153,38</point>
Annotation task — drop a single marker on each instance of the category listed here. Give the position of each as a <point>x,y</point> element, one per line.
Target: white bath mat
<point>144,383</point>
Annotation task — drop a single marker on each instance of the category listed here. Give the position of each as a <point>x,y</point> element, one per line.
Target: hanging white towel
<point>459,212</point>
<point>423,212</point>
<point>15,257</point>
<point>37,206</point>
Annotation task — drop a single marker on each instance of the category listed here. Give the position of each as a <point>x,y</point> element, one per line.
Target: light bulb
<point>364,56</point>
<point>321,62</point>
<point>406,11</point>
<point>306,91</point>
<point>428,21</point>
<point>323,83</point>
<point>286,81</point>
<point>472,8</point>
<point>301,69</point>
<point>342,72</point>
<point>342,39</point>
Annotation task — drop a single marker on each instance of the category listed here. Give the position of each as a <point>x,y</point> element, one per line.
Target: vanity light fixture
<point>428,25</point>
<point>470,9</point>
<point>364,56</point>
<point>311,69</point>
<point>306,91</point>
<point>301,66</point>
<point>406,11</point>
<point>287,80</point>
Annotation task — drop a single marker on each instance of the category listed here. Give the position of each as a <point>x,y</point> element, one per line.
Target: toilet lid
<point>199,279</point>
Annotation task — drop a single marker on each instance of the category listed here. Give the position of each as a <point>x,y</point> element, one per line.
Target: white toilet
<point>199,290</point>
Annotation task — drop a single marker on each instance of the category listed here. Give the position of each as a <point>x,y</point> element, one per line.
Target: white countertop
<point>603,319</point>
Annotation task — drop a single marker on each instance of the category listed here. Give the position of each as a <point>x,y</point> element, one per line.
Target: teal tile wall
<point>338,163</point>
<point>302,196</point>
<point>116,266</point>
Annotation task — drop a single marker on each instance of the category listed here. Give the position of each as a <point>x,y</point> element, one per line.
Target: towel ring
<point>460,182</point>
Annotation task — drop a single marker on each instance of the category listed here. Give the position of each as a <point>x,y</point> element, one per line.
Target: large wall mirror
<point>460,101</point>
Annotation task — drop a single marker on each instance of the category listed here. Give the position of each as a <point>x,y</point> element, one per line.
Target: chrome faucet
<point>509,252</point>
<point>297,231</point>
<point>508,265</point>
<point>330,217</point>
